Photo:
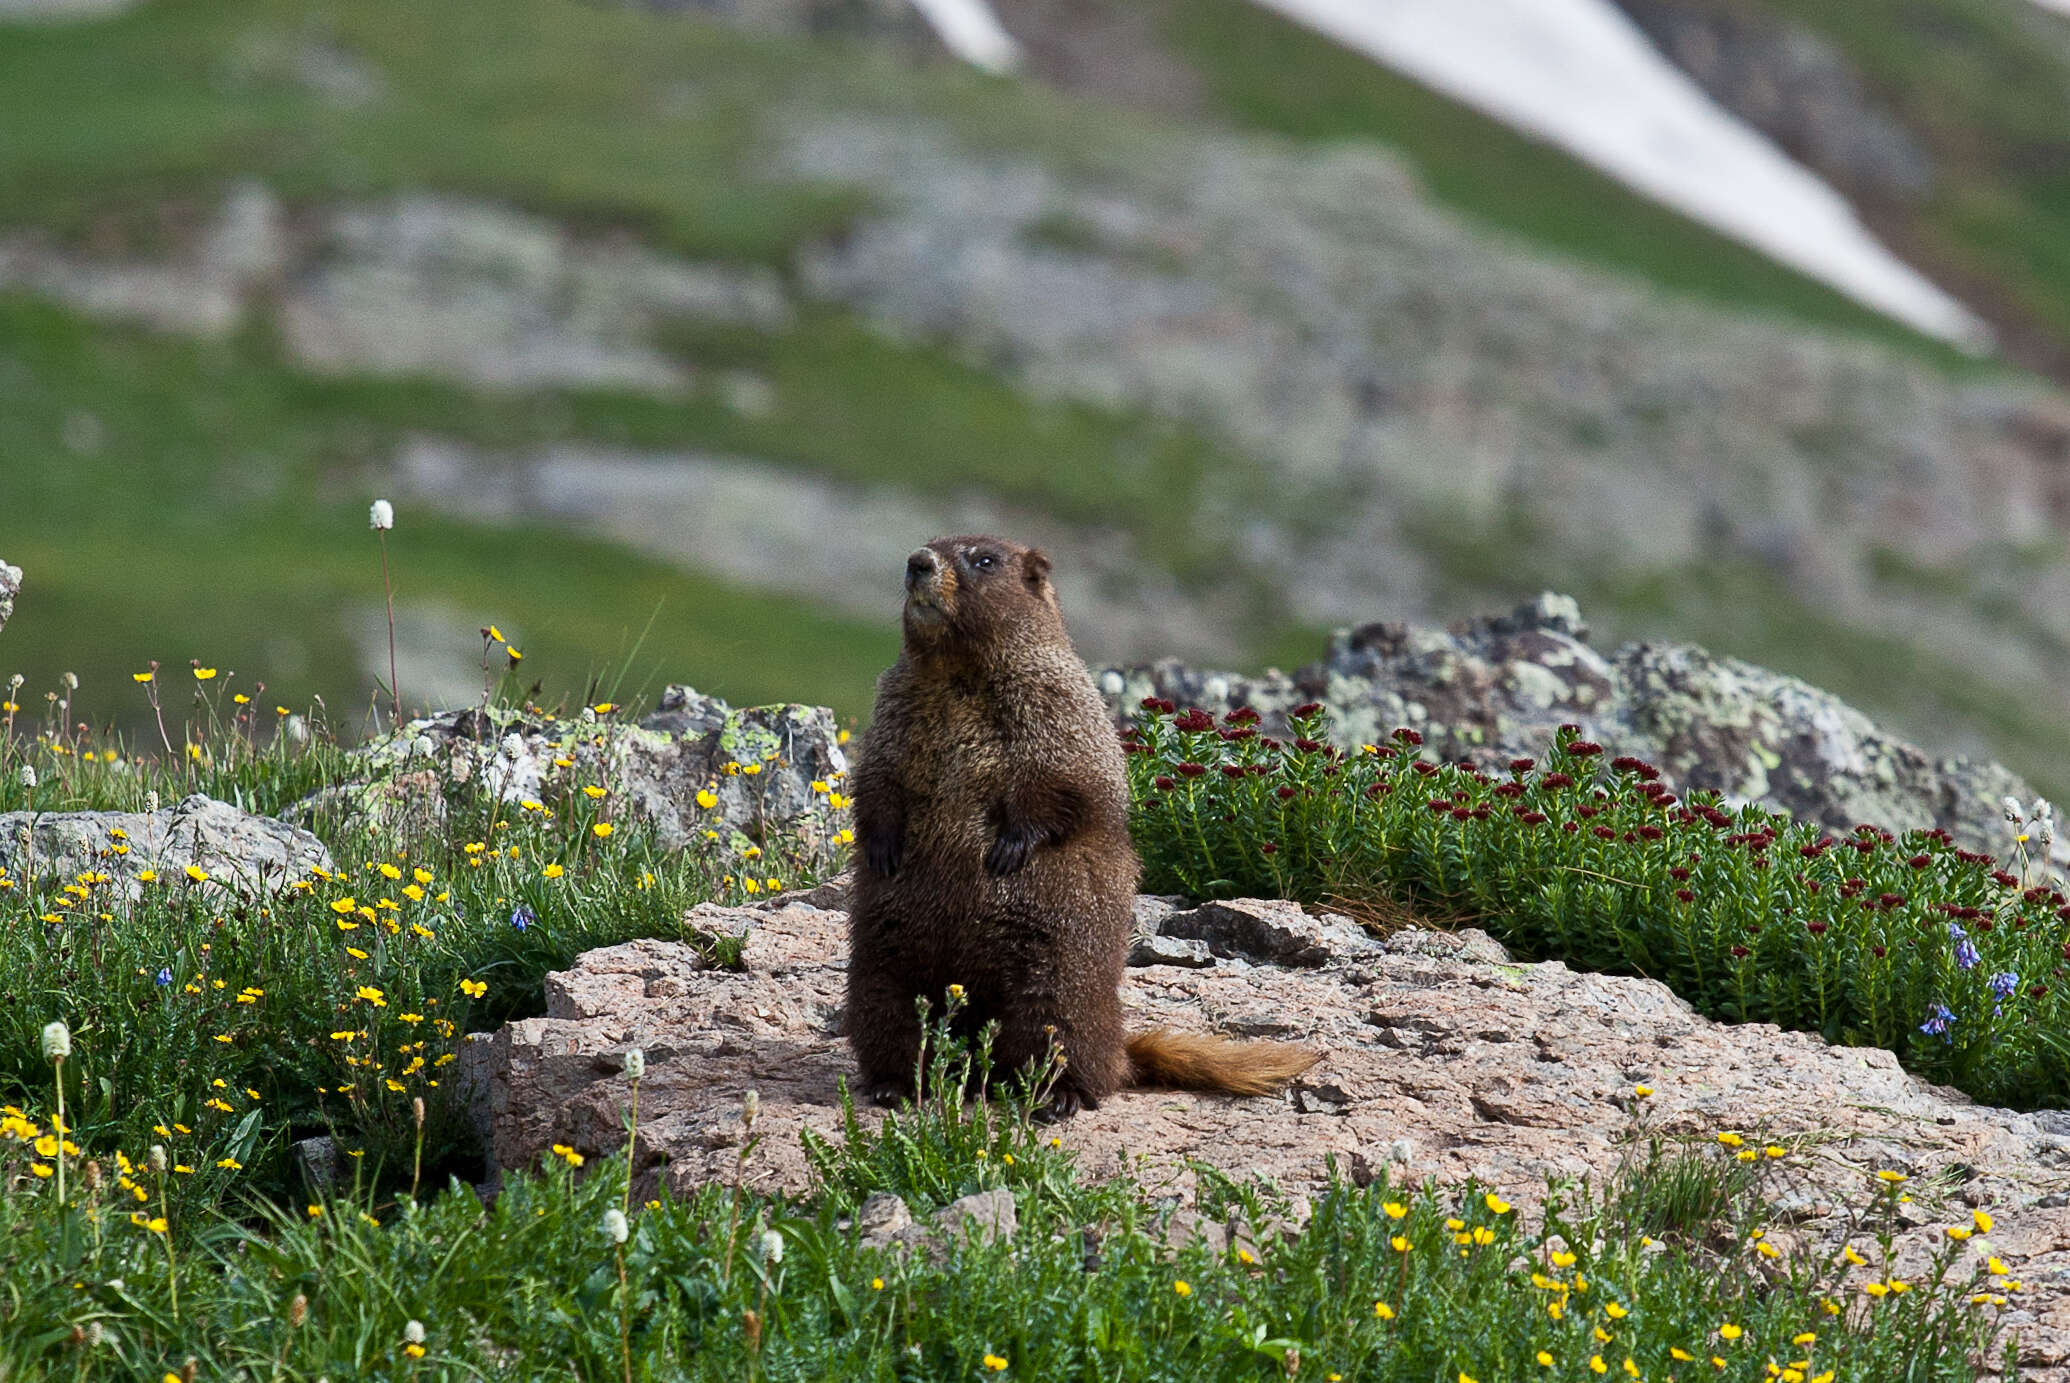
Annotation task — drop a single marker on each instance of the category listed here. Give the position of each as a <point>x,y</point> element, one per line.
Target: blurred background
<point>670,328</point>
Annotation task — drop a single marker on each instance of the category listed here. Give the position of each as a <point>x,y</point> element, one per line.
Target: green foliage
<point>223,1025</point>
<point>1382,1284</point>
<point>1938,953</point>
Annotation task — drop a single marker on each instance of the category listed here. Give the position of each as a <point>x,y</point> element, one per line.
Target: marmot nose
<point>921,565</point>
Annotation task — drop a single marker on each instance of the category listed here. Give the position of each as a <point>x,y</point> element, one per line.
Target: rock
<point>1494,689</point>
<point>1170,950</point>
<point>10,587</point>
<point>983,1215</point>
<point>884,1220</point>
<point>242,854</point>
<point>315,1161</point>
<point>655,771</point>
<point>489,296</point>
<point>1270,931</point>
<point>1440,1060</point>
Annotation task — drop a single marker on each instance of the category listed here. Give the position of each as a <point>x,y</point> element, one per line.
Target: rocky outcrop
<point>758,766</point>
<point>238,853</point>
<point>1442,1058</point>
<point>1498,688</point>
<point>10,587</point>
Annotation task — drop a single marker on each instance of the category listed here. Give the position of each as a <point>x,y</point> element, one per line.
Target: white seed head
<point>381,516</point>
<point>635,1063</point>
<point>513,747</point>
<point>2043,810</point>
<point>750,1107</point>
<point>413,1332</point>
<point>14,683</point>
<point>297,730</point>
<point>151,800</point>
<point>2011,809</point>
<point>422,747</point>
<point>589,716</point>
<point>615,1227</point>
<point>71,681</point>
<point>57,1041</point>
<point>2043,830</point>
<point>772,1246</point>
<point>95,1334</point>
<point>156,1160</point>
<point>28,775</point>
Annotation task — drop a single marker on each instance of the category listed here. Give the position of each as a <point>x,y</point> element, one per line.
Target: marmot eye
<point>984,561</point>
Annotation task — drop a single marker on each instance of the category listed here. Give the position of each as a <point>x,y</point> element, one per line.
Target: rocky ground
<point>1441,1058</point>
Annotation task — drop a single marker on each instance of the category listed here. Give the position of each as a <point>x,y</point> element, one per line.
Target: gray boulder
<point>242,855</point>
<point>1495,689</point>
<point>756,764</point>
<point>10,586</point>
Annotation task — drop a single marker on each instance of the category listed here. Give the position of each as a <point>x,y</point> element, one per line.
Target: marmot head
<point>974,591</point>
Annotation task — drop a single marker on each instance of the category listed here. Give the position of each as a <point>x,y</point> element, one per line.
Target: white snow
<point>1578,74</point>
<point>970,30</point>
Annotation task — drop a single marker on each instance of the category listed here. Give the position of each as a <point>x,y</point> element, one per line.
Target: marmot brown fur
<point>993,851</point>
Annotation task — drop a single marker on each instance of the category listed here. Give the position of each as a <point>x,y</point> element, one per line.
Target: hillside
<point>670,339</point>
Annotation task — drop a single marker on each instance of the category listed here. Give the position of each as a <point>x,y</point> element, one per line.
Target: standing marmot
<point>991,813</point>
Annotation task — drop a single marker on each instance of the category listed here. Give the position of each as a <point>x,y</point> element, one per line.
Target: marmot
<point>993,850</point>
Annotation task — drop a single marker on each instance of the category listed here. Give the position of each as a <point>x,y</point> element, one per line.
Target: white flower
<point>57,1041</point>
<point>635,1063</point>
<point>413,1333</point>
<point>513,747</point>
<point>2043,810</point>
<point>381,517</point>
<point>422,747</point>
<point>28,776</point>
<point>772,1246</point>
<point>2013,812</point>
<point>151,800</point>
<point>2043,829</point>
<point>615,1227</point>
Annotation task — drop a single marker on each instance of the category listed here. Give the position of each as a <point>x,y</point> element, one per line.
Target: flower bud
<point>615,1227</point>
<point>635,1063</point>
<point>381,516</point>
<point>57,1041</point>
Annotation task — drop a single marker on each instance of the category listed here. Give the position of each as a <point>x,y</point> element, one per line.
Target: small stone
<point>1169,950</point>
<point>987,1214</point>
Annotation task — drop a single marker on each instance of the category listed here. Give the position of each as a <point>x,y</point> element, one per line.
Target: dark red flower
<point>2003,879</point>
<point>1164,784</point>
<point>1740,953</point>
<point>1194,721</point>
<point>1582,749</point>
<point>1603,832</point>
<point>1404,735</point>
<point>1651,833</point>
<point>1920,861</point>
<point>1683,895</point>
<point>1242,715</point>
<point>1817,928</point>
<point>1509,789</point>
<point>1232,770</point>
<point>1305,709</point>
<point>1878,951</point>
<point>1283,793</point>
<point>1521,765</point>
<point>1307,746</point>
<point>1191,770</point>
<point>1268,848</point>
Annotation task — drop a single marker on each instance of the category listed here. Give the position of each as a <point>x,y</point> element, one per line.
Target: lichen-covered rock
<point>757,766</point>
<point>1494,689</point>
<point>1441,1058</point>
<point>10,587</point>
<point>241,854</point>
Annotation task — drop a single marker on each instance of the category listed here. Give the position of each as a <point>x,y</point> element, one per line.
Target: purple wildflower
<point>1937,1021</point>
<point>521,917</point>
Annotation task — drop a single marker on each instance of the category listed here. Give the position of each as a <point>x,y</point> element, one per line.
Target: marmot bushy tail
<point>993,850</point>
<point>1188,1061</point>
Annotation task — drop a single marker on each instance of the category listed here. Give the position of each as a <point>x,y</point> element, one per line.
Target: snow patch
<point>970,30</point>
<point>1580,75</point>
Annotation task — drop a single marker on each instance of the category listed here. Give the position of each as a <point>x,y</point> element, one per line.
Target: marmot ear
<point>1035,567</point>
